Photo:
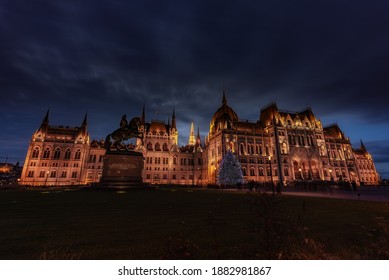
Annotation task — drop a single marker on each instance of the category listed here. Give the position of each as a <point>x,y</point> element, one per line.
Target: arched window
<point>35,153</point>
<point>78,154</point>
<point>149,146</point>
<point>241,148</point>
<point>67,154</point>
<point>57,153</point>
<point>286,171</point>
<point>165,147</point>
<point>46,153</point>
<point>260,171</point>
<point>252,171</point>
<point>340,153</point>
<point>302,140</point>
<point>157,146</point>
<point>244,171</point>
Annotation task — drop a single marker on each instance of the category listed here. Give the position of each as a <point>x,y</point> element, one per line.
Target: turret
<point>143,119</point>
<point>198,138</point>
<point>84,123</point>
<point>174,120</point>
<point>363,148</point>
<point>45,122</point>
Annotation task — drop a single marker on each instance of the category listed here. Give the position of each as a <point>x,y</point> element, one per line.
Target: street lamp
<point>271,174</point>
<point>330,174</point>
<point>301,173</point>
<point>215,173</point>
<point>47,176</point>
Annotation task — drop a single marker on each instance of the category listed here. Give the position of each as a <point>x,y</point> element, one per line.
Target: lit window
<point>46,153</point>
<point>77,155</point>
<point>67,154</point>
<point>57,154</point>
<point>35,153</point>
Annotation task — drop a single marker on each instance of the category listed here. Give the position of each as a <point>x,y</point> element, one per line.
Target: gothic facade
<point>166,162</point>
<point>281,146</point>
<point>62,155</point>
<point>285,146</point>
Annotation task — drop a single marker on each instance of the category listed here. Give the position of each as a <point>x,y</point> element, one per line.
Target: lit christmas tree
<point>230,171</point>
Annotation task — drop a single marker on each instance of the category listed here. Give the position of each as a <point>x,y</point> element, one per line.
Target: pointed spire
<point>85,122</point>
<point>174,119</point>
<point>224,98</point>
<point>45,121</point>
<point>363,148</point>
<point>143,119</point>
<point>192,140</point>
<point>198,138</point>
<point>46,118</point>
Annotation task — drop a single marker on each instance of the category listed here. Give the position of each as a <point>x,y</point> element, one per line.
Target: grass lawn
<point>188,224</point>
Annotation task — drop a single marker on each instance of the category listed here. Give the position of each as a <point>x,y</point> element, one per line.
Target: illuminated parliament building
<point>281,146</point>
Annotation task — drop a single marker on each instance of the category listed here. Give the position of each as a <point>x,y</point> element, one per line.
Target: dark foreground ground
<point>188,224</point>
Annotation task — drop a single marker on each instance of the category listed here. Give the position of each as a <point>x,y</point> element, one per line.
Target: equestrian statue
<point>125,132</point>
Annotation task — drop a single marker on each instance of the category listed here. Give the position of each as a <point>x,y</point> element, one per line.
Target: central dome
<point>158,127</point>
<point>223,118</point>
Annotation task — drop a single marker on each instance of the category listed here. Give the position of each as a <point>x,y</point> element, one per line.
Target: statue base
<point>122,168</point>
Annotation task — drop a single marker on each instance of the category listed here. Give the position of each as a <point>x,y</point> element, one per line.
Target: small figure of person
<point>354,186</point>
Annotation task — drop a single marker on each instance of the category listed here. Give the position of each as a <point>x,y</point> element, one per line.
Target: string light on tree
<point>230,171</point>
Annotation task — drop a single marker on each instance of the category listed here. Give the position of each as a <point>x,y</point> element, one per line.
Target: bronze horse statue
<point>125,132</point>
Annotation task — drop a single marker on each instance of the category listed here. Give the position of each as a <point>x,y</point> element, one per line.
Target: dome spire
<point>224,98</point>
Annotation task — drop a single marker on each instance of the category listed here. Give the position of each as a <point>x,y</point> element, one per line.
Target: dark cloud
<point>109,57</point>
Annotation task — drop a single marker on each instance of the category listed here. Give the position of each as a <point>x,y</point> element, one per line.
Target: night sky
<point>107,58</point>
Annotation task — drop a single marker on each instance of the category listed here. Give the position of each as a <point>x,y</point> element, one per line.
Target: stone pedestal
<point>122,168</point>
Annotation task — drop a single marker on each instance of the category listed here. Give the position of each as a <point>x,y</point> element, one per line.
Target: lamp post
<point>47,176</point>
<point>301,173</point>
<point>193,171</point>
<point>215,173</point>
<point>271,174</point>
<point>331,174</point>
